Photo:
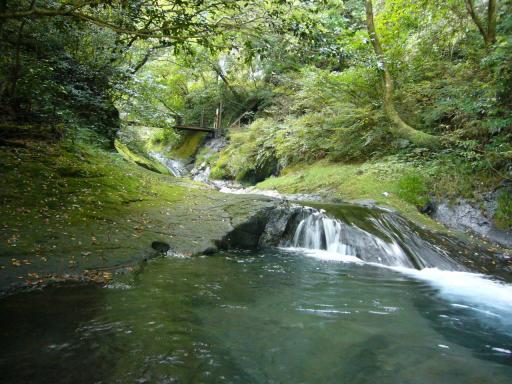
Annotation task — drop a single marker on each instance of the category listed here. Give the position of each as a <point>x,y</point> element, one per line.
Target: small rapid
<point>176,167</point>
<point>394,246</point>
<point>386,240</point>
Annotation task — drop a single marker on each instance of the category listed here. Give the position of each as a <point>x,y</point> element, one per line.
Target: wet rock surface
<point>191,226</point>
<point>375,234</point>
<point>464,215</point>
<point>264,229</point>
<point>59,227</point>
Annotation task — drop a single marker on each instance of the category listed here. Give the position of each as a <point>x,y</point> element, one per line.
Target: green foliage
<point>447,83</point>
<point>59,72</point>
<point>316,114</point>
<point>250,156</point>
<point>503,215</point>
<point>220,170</point>
<point>413,189</point>
<point>165,138</point>
<point>298,78</point>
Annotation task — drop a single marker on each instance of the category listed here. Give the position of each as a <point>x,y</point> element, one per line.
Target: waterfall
<point>176,167</point>
<point>318,231</point>
<point>385,240</point>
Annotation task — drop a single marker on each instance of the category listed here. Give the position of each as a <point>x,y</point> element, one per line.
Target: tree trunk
<point>489,33</point>
<point>491,22</point>
<point>224,79</point>
<point>399,128</point>
<point>17,57</point>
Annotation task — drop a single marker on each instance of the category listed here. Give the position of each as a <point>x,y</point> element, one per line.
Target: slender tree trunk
<point>491,22</point>
<point>399,128</point>
<point>224,79</point>
<point>489,33</point>
<point>17,56</point>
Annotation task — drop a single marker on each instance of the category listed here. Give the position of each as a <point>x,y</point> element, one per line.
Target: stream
<point>350,295</point>
<point>320,308</point>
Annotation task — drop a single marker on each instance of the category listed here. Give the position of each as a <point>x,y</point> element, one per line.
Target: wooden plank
<point>193,128</point>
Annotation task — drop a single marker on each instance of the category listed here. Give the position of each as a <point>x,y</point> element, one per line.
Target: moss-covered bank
<point>79,212</point>
<point>390,181</point>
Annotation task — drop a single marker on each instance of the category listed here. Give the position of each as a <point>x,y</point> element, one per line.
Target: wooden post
<point>218,121</point>
<point>215,128</point>
<point>219,125</point>
<point>202,118</point>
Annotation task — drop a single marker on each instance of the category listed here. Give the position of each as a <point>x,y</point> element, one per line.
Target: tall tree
<point>487,30</point>
<point>399,128</point>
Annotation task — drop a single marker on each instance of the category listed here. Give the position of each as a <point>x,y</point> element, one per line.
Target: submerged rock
<point>160,246</point>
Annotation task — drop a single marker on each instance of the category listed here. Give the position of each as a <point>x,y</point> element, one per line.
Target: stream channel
<point>350,296</point>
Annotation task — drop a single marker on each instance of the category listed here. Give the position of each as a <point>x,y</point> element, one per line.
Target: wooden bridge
<point>216,129</point>
<point>193,128</point>
<point>217,124</point>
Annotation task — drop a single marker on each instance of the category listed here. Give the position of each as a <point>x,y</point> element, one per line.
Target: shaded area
<point>39,336</point>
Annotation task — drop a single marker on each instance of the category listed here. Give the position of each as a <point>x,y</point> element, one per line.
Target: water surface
<point>282,316</point>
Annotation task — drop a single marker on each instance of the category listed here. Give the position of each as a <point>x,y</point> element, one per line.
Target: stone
<point>277,224</point>
<point>462,215</point>
<point>160,246</point>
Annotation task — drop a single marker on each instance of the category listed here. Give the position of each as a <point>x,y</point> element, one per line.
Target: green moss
<point>352,182</point>
<point>138,159</point>
<point>412,189</point>
<point>68,209</point>
<point>503,215</point>
<point>220,170</point>
<point>189,145</point>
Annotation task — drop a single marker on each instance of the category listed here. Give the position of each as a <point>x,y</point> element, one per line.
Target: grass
<point>503,216</point>
<point>412,189</point>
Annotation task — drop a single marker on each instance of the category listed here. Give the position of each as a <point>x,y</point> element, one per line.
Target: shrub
<point>412,188</point>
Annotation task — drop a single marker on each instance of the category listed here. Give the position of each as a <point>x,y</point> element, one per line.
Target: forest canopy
<point>345,80</point>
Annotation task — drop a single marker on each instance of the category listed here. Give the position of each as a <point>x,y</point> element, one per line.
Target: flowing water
<point>325,308</point>
<point>175,166</point>
<point>376,235</point>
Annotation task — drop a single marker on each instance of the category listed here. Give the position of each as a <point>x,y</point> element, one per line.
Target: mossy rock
<point>189,145</point>
<point>141,161</point>
<point>72,171</point>
<point>56,227</point>
<point>259,172</point>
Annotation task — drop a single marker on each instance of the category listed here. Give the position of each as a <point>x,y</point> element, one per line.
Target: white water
<point>320,232</point>
<point>317,231</point>
<point>176,167</point>
<point>487,299</point>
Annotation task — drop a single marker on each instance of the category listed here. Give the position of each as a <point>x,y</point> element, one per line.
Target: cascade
<point>176,167</point>
<point>385,240</point>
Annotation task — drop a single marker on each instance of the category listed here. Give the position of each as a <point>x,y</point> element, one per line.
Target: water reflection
<point>276,317</point>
